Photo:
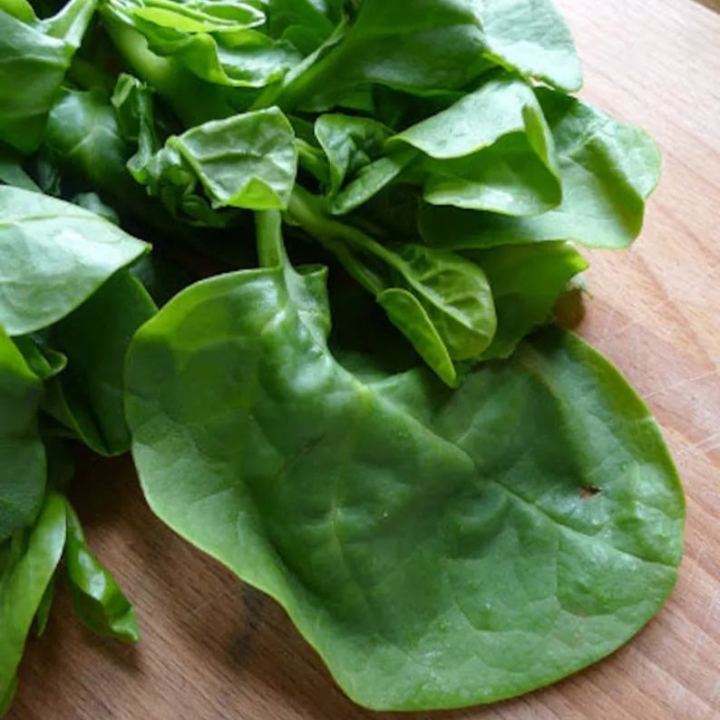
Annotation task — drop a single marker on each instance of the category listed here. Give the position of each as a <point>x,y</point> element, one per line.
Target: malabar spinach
<point>455,500</point>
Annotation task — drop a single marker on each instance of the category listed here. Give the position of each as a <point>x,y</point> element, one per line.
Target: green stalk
<point>193,100</point>
<point>271,249</point>
<point>307,211</point>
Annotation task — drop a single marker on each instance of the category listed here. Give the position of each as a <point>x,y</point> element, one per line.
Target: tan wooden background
<point>213,650</point>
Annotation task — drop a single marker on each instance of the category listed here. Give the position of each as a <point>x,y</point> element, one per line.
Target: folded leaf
<point>608,170</point>
<point>98,600</point>
<point>54,255</point>
<point>217,43</point>
<point>492,150</point>
<point>407,313</point>
<point>22,457</point>
<point>246,161</point>
<point>439,549</point>
<point>36,54</point>
<point>23,582</point>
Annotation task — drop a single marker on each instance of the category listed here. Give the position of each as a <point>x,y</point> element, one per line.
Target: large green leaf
<point>436,45</point>
<point>31,564</point>
<point>54,255</point>
<point>608,170</point>
<point>438,548</point>
<point>22,457</point>
<point>35,55</point>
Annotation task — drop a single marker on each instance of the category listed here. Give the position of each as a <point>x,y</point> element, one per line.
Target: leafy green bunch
<point>325,350</point>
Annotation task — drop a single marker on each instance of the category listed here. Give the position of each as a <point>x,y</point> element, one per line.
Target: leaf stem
<point>271,249</point>
<point>193,100</point>
<point>307,211</point>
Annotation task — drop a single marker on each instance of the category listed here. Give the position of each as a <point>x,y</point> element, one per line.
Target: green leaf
<point>55,256</point>
<point>83,138</point>
<point>350,143</point>
<point>530,37</point>
<point>22,457</point>
<point>98,600</point>
<point>304,23</point>
<point>407,313</point>
<point>359,169</point>
<point>452,290</point>
<point>526,282</point>
<point>439,45</point>
<point>23,581</point>
<point>42,616</point>
<point>214,42</point>
<point>88,397</point>
<point>13,173</point>
<point>45,362</point>
<point>246,161</point>
<point>439,549</point>
<point>492,150</point>
<point>36,55</point>
<point>608,170</point>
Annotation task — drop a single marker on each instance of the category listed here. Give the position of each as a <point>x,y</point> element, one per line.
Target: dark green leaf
<point>88,397</point>
<point>22,457</point>
<point>438,548</point>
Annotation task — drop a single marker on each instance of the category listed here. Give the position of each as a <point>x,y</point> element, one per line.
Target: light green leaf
<point>439,549</point>
<point>216,43</point>
<point>531,38</point>
<point>492,150</point>
<point>23,581</point>
<point>608,170</point>
<point>54,256</point>
<point>22,457</point>
<point>98,600</point>
<point>246,161</point>
<point>35,57</point>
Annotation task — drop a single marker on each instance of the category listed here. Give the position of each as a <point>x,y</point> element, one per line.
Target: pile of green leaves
<point>337,369</point>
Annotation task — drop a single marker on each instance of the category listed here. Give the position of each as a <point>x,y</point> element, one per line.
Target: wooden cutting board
<point>214,650</point>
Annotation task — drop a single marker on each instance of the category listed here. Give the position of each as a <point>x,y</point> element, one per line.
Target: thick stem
<point>193,100</point>
<point>271,249</point>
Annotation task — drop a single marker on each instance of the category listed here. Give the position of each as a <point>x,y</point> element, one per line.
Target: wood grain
<point>214,650</point>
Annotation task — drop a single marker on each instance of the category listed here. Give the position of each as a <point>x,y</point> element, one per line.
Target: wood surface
<point>214,650</point>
